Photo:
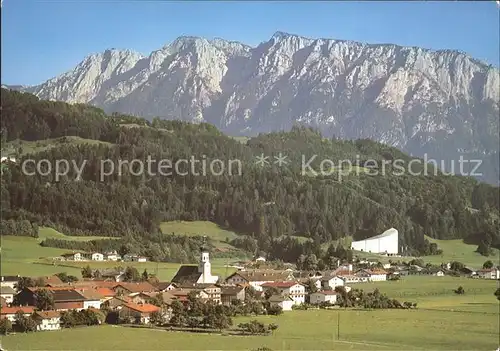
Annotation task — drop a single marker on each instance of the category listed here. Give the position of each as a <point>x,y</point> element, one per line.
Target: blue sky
<point>41,39</point>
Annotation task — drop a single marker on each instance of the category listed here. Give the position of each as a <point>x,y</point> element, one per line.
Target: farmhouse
<point>331,282</point>
<point>232,293</point>
<point>181,294</point>
<point>492,273</point>
<point>285,302</point>
<point>374,275</point>
<point>201,274</point>
<point>112,256</point>
<point>64,298</point>
<point>74,256</point>
<point>92,298</point>
<point>7,293</point>
<point>50,281</point>
<point>96,256</point>
<point>129,288</point>
<point>166,286</point>
<point>329,296</point>
<point>112,274</point>
<point>255,278</point>
<point>213,291</point>
<point>47,320</point>
<point>10,280</point>
<point>293,289</point>
<point>10,312</point>
<point>139,312</point>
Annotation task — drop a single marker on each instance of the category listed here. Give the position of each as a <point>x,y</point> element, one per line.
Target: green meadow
<point>25,256</point>
<point>443,320</point>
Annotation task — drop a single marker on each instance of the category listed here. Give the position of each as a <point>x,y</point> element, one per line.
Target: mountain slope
<point>443,103</point>
<point>268,202</point>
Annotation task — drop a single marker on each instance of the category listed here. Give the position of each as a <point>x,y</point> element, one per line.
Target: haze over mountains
<point>444,103</point>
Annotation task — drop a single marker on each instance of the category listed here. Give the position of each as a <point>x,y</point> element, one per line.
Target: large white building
<point>385,243</point>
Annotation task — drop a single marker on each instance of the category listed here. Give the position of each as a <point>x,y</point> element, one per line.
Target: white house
<point>10,281</point>
<point>438,273</point>
<point>323,296</point>
<point>285,302</point>
<point>47,320</point>
<point>374,275</point>
<point>293,289</point>
<point>256,278</point>
<point>96,256</point>
<point>7,293</point>
<point>491,273</point>
<point>331,282</point>
<point>112,256</point>
<point>141,259</point>
<point>74,256</point>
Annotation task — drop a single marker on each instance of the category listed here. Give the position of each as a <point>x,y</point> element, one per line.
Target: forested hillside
<point>265,203</point>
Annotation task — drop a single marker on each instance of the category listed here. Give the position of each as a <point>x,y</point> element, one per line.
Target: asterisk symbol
<point>280,159</point>
<point>261,160</point>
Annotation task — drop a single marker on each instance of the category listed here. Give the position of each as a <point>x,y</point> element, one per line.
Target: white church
<point>201,274</point>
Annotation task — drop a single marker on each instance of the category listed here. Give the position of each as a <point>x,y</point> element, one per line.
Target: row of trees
<point>374,299</point>
<point>20,228</point>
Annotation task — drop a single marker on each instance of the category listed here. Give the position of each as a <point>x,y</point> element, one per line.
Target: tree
<point>145,275</point>
<point>456,266</point>
<point>460,290</point>
<point>44,300</point>
<point>274,310</point>
<point>311,287</point>
<point>25,282</point>
<point>65,278</point>
<point>272,327</point>
<point>178,313</point>
<point>270,292</point>
<point>156,318</point>
<point>488,265</point>
<point>497,294</point>
<point>24,324</point>
<point>87,272</point>
<point>5,326</point>
<point>131,275</point>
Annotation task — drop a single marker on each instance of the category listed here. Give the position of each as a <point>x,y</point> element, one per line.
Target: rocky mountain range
<point>441,103</point>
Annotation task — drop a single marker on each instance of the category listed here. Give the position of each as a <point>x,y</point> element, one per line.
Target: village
<point>46,301</point>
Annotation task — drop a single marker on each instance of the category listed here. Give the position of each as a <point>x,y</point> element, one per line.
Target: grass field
<point>218,235</point>
<point>25,256</point>
<point>442,321</point>
<point>457,250</point>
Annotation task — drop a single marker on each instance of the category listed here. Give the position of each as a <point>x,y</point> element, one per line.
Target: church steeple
<point>204,266</point>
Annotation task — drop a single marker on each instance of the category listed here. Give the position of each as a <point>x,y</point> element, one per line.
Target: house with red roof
<point>10,312</point>
<point>138,312</point>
